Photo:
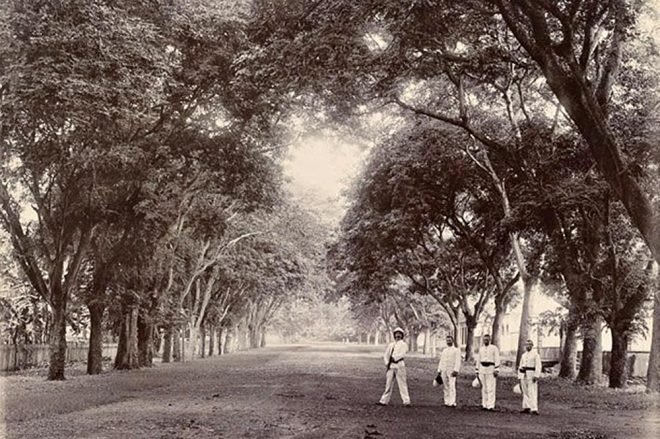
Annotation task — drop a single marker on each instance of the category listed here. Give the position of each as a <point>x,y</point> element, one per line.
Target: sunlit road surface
<point>302,391</point>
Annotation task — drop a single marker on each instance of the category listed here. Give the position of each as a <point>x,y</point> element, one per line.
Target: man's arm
<point>457,361</point>
<point>497,361</point>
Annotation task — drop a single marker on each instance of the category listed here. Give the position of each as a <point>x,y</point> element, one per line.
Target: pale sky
<point>322,168</point>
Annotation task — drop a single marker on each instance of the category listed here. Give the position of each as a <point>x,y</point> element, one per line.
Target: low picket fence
<point>25,356</point>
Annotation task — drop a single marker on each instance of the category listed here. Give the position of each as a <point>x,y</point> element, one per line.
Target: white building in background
<point>549,343</point>
<point>511,325</point>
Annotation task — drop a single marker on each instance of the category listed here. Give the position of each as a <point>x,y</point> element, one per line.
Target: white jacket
<point>490,355</point>
<point>531,363</point>
<point>450,359</point>
<point>398,350</point>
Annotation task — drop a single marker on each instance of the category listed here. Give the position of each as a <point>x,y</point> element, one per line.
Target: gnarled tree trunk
<point>591,364</point>
<point>145,339</point>
<point>95,353</point>
<point>567,366</point>
<point>618,373</point>
<point>127,349</point>
<point>57,338</point>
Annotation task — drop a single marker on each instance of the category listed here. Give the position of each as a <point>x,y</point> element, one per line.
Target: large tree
<point>72,111</point>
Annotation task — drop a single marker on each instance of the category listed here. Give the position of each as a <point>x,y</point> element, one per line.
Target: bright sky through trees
<point>321,168</point>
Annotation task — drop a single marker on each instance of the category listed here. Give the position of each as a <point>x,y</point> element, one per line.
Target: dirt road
<point>315,391</point>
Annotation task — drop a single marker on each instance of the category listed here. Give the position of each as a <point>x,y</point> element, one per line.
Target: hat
<point>398,330</point>
<point>516,389</point>
<point>476,383</point>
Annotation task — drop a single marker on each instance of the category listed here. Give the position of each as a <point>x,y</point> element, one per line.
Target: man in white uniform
<point>448,368</point>
<point>395,368</point>
<point>487,368</point>
<point>529,373</point>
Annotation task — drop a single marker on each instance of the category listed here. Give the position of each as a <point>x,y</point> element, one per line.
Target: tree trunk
<point>244,339</point>
<point>434,343</point>
<point>252,337</point>
<point>618,372</point>
<point>95,352</point>
<point>414,336</point>
<point>127,349</point>
<point>191,349</point>
<point>58,337</point>
<point>39,326</point>
<point>469,342</point>
<point>653,373</point>
<point>523,333</point>
<point>427,345</point>
<point>229,340</point>
<point>221,344</point>
<point>145,340</point>
<point>158,340</point>
<point>496,329</point>
<point>211,340</point>
<point>167,344</point>
<point>176,346</point>
<point>567,366</point>
<point>202,336</point>
<point>262,343</point>
<point>591,364</point>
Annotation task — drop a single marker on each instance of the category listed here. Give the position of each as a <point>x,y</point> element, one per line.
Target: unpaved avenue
<point>319,391</point>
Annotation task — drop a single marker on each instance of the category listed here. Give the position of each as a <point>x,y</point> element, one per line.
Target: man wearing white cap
<point>448,367</point>
<point>395,368</point>
<point>529,373</point>
<point>487,368</point>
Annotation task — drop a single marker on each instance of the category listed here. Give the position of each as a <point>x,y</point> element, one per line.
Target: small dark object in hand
<point>438,378</point>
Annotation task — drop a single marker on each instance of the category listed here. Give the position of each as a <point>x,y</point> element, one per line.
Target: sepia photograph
<point>329,219</point>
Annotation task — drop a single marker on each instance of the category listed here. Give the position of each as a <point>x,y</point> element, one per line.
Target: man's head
<point>398,334</point>
<point>529,345</point>
<point>450,340</point>
<point>487,339</point>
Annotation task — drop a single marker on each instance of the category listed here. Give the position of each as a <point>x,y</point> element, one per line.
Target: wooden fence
<point>16,357</point>
<point>638,362</point>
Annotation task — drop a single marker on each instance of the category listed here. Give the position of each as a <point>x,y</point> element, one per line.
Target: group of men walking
<point>487,365</point>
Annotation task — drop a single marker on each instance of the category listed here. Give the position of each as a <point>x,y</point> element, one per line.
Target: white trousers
<point>488,388</point>
<point>400,374</point>
<point>530,392</point>
<point>449,388</point>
